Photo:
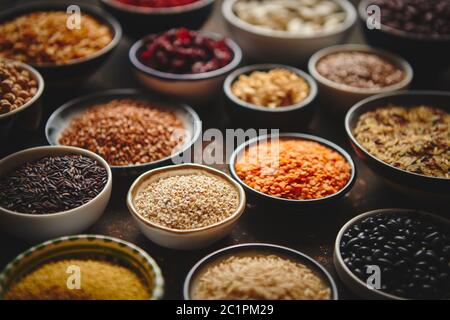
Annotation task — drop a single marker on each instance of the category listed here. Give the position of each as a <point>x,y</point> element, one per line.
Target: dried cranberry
<point>183,51</point>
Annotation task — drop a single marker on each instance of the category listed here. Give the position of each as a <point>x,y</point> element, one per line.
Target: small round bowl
<point>353,282</point>
<point>85,247</point>
<point>282,47</point>
<point>39,227</point>
<point>252,248</point>
<point>75,71</point>
<point>290,203</point>
<point>339,97</point>
<point>28,116</point>
<point>197,88</point>
<point>427,54</point>
<point>411,184</point>
<point>184,239</point>
<point>246,114</point>
<point>139,21</point>
<point>60,120</point>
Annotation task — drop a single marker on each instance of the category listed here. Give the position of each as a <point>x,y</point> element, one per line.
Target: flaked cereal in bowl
<point>132,131</point>
<point>185,206</point>
<point>258,271</point>
<point>293,169</point>
<point>264,95</point>
<point>405,136</point>
<point>42,35</point>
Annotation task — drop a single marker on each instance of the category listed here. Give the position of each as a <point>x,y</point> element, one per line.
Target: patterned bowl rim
<point>157,291</point>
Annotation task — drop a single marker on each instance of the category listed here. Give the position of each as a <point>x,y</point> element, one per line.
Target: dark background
<point>311,232</point>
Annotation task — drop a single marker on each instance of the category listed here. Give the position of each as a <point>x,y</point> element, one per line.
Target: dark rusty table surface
<point>312,233</point>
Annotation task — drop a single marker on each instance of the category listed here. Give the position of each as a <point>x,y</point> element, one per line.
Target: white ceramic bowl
<point>196,89</point>
<point>339,97</point>
<point>39,227</point>
<point>184,239</point>
<point>282,47</point>
<point>353,282</point>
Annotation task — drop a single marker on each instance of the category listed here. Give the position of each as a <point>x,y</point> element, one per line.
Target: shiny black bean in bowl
<point>395,254</point>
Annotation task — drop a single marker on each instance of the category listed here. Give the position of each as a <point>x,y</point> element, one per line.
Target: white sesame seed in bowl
<point>185,206</point>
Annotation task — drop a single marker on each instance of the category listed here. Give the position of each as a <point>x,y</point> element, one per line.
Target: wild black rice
<point>52,184</point>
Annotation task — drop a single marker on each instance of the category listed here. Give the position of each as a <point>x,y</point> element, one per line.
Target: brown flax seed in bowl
<point>125,132</point>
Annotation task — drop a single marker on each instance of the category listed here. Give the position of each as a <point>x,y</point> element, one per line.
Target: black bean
<point>401,263</point>
<point>384,261</point>
<point>420,253</point>
<point>351,243</point>
<point>403,250</point>
<point>432,235</point>
<point>377,253</point>
<point>363,251</point>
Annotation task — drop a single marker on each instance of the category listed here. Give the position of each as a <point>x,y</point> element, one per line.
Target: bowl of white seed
<point>185,206</point>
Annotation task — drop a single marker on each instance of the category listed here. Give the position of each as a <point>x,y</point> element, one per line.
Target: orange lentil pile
<point>293,169</point>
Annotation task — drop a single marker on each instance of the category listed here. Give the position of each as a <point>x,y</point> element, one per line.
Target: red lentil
<point>298,169</point>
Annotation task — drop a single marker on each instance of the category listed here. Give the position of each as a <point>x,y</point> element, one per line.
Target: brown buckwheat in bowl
<point>131,130</point>
<point>64,47</point>
<point>405,137</point>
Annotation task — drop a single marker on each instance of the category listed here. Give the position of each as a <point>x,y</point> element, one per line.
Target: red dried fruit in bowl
<point>183,51</point>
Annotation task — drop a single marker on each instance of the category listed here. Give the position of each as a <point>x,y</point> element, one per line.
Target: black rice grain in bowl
<point>52,184</point>
<point>412,251</point>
